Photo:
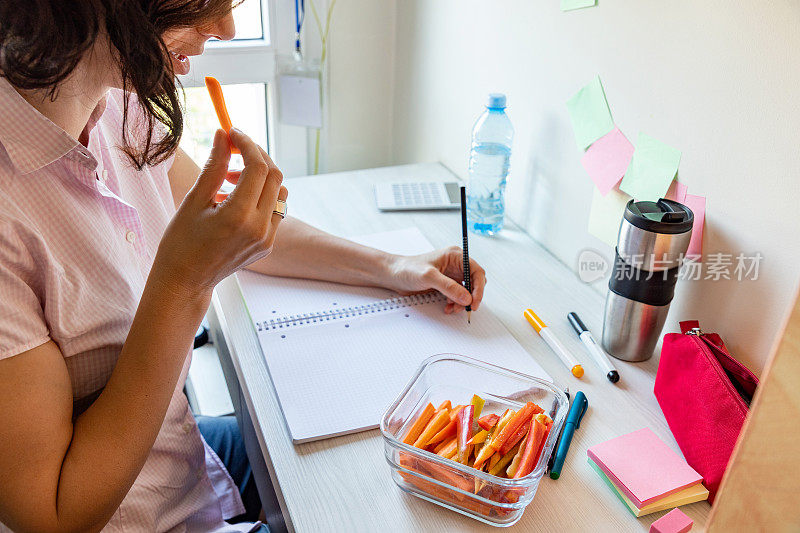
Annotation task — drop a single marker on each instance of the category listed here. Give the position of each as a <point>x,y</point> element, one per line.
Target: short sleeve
<point>22,322</point>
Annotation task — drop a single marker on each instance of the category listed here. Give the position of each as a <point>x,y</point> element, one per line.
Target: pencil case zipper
<point>717,366</point>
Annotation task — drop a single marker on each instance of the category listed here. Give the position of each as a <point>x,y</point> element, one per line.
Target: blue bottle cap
<point>496,101</point>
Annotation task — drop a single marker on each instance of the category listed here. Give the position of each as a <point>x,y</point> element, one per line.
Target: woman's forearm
<point>302,251</point>
<point>112,439</point>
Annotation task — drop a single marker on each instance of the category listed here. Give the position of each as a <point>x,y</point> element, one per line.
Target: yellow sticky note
<point>606,214</point>
<point>691,494</point>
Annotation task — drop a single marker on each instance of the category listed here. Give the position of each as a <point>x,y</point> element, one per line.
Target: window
<point>245,67</point>
<point>250,22</point>
<point>248,110</point>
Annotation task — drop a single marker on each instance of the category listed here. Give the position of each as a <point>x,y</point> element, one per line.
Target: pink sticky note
<point>643,467</point>
<point>607,159</point>
<point>674,521</point>
<point>698,206</point>
<point>677,192</point>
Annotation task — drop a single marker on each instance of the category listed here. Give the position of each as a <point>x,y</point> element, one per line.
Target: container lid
<point>663,216</point>
<point>496,101</point>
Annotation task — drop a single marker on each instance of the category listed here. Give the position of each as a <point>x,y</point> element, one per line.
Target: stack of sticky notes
<point>645,473</point>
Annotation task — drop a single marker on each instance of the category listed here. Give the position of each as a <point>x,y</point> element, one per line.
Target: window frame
<point>255,61</point>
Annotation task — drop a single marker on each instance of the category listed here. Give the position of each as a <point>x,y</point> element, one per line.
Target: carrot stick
<point>535,439</point>
<point>419,425</point>
<point>493,461</point>
<point>512,468</point>
<point>548,423</point>
<point>444,444</point>
<point>457,409</point>
<point>514,439</point>
<point>519,419</point>
<point>487,450</point>
<point>504,461</point>
<point>451,448</point>
<point>439,420</point>
<point>488,421</point>
<point>446,405</point>
<point>449,430</point>
<point>215,91</point>
<point>464,432</point>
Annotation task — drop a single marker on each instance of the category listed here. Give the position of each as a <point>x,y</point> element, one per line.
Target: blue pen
<point>576,412</point>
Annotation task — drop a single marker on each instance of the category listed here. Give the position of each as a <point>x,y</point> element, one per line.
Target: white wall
<point>359,85</point>
<point>716,79</point>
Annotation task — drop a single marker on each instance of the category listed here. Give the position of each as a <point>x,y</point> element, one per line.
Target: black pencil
<point>465,248</point>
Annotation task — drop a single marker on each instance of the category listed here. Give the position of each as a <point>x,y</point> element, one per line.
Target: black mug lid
<point>663,216</point>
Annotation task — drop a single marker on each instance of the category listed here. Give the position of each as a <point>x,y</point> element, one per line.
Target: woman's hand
<point>207,241</point>
<point>442,270</point>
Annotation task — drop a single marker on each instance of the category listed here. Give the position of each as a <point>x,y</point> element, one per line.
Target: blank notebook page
<point>335,372</point>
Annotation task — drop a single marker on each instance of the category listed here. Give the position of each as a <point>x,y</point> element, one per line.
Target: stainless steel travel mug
<point>653,239</point>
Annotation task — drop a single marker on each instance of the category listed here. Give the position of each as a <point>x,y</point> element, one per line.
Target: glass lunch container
<point>494,500</point>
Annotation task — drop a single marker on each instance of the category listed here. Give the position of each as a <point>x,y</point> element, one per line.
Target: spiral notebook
<point>339,355</point>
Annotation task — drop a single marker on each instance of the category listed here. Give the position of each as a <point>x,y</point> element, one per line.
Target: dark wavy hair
<point>42,41</point>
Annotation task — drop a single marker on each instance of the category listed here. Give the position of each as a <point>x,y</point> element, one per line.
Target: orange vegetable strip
<point>522,417</point>
<point>439,420</point>
<point>535,439</point>
<point>464,432</point>
<point>449,430</point>
<point>444,444</point>
<point>487,421</point>
<point>446,405</point>
<point>419,425</point>
<point>486,452</point>
<point>448,450</point>
<point>548,423</point>
<point>464,459</point>
<point>512,468</point>
<point>451,454</point>
<point>504,461</point>
<point>450,496</point>
<point>215,91</point>
<point>457,409</point>
<point>508,415</point>
<point>514,439</point>
<point>494,460</point>
<point>479,437</point>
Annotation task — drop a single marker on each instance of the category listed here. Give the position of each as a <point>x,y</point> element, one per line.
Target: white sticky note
<point>300,101</point>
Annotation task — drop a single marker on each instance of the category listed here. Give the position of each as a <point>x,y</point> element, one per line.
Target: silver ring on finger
<point>280,208</point>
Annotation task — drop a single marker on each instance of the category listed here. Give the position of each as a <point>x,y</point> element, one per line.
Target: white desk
<point>343,484</point>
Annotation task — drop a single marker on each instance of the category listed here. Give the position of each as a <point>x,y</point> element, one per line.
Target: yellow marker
<point>554,344</point>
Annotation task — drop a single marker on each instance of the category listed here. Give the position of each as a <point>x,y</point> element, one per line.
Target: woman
<point>103,282</point>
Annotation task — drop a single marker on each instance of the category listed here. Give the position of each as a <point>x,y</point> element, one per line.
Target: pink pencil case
<point>705,395</point>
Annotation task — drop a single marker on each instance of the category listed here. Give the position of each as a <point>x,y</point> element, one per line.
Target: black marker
<point>593,348</point>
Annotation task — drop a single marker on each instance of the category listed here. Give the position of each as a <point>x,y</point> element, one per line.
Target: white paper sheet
<point>360,363</point>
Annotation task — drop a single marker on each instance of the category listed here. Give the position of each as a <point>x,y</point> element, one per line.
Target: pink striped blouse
<point>79,228</point>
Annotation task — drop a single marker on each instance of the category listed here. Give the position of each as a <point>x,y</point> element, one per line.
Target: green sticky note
<point>569,5</point>
<point>589,112</point>
<point>609,483</point>
<point>605,215</point>
<point>652,169</point>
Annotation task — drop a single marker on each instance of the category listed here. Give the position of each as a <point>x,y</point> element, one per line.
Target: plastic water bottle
<point>488,168</point>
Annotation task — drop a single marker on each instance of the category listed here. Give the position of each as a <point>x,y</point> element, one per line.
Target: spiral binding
<point>399,302</point>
